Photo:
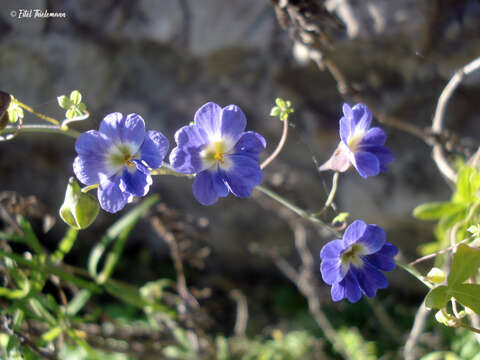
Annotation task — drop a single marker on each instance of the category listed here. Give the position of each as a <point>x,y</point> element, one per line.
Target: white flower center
<point>352,255</point>
<point>355,140</point>
<point>215,154</point>
<point>121,155</point>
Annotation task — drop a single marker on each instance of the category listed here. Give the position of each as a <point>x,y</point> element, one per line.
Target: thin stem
<point>65,122</point>
<point>89,187</point>
<point>41,129</point>
<point>275,153</point>
<point>409,352</point>
<point>414,273</point>
<point>166,169</point>
<point>429,256</point>
<point>333,191</point>
<point>296,209</point>
<point>41,116</point>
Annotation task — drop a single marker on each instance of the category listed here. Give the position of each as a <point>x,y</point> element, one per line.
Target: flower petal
<point>367,164</point>
<point>333,271</point>
<point>346,128</point>
<point>208,186</point>
<point>185,158</point>
<point>373,239</point>
<point>154,149</point>
<point>243,176</point>
<point>383,155</point>
<point>362,117</point>
<point>347,288</point>
<point>93,144</point>
<point>251,144</point>
<point>332,249</point>
<point>354,232</point>
<point>374,136</point>
<point>129,129</point>
<point>110,197</point>
<point>370,279</point>
<point>87,169</point>
<point>136,182</point>
<point>209,118</point>
<point>339,161</point>
<point>233,123</point>
<point>383,259</point>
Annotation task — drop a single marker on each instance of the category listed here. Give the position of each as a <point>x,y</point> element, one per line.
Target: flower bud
<point>436,275</point>
<point>79,209</point>
<point>4,104</point>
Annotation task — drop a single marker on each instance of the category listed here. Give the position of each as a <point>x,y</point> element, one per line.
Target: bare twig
<point>242,312</point>
<point>177,261</point>
<point>409,352</point>
<point>438,120</point>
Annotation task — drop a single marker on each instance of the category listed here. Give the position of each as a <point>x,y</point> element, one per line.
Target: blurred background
<point>163,59</point>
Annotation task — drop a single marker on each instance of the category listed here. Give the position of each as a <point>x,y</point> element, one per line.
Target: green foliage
<point>463,209</point>
<point>73,104</point>
<point>282,110</point>
<point>465,265</point>
<point>356,347</point>
<point>15,112</point>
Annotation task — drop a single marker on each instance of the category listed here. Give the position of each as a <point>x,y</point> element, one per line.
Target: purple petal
<point>346,128</point>
<point>233,123</point>
<point>191,137</point>
<point>383,155</point>
<point>347,288</point>
<point>93,144</point>
<point>129,129</point>
<point>251,144</point>
<point>243,176</point>
<point>339,161</point>
<point>362,117</point>
<point>87,169</point>
<point>136,182</point>
<point>374,136</point>
<point>154,149</point>
<point>373,239</point>
<point>367,164</point>
<point>209,118</point>
<point>347,111</point>
<point>332,249</point>
<point>383,259</point>
<point>333,271</point>
<point>208,186</point>
<point>354,232</point>
<point>369,279</point>
<point>110,197</point>
<point>185,158</point>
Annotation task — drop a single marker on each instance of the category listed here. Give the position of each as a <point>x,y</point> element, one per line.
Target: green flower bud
<point>4,104</point>
<point>79,209</point>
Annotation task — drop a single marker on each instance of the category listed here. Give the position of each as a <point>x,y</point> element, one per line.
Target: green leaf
<point>121,227</point>
<point>468,181</point>
<point>437,298</point>
<point>340,217</point>
<point>76,97</point>
<point>467,295</point>
<point>52,334</point>
<point>71,113</point>
<point>275,111</point>
<point>465,264</point>
<point>64,102</point>
<point>435,210</point>
<point>280,102</point>
<point>78,302</point>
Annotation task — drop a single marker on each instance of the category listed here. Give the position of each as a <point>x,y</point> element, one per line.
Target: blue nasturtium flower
<point>353,265</point>
<point>220,152</point>
<point>118,158</point>
<point>360,145</point>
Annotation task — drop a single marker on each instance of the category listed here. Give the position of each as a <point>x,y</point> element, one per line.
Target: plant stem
<point>89,187</point>
<point>273,195</point>
<point>279,147</point>
<point>414,273</point>
<point>41,116</point>
<point>42,129</point>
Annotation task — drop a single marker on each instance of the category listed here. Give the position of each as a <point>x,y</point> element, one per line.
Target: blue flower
<point>223,156</point>
<point>360,145</point>
<point>118,157</point>
<point>353,265</point>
